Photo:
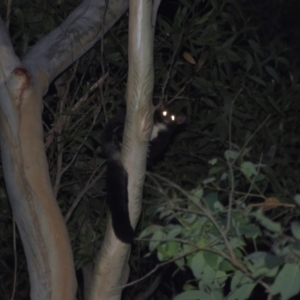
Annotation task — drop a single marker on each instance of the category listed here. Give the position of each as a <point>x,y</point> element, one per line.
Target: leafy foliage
<point>222,198</point>
<point>214,234</point>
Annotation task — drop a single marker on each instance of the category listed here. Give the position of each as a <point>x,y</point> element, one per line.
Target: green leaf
<point>156,239</point>
<point>243,292</point>
<point>273,73</point>
<point>113,57</point>
<point>241,287</point>
<point>176,230</point>
<point>263,264</point>
<point>266,222</point>
<point>218,206</point>
<point>236,242</point>
<point>228,44</point>
<point>295,226</point>
<point>193,295</point>
<point>210,200</point>
<point>213,161</point>
<point>165,25</point>
<point>295,248</point>
<point>208,180</point>
<point>204,18</point>
<point>215,170</point>
<point>283,60</point>
<point>297,199</point>
<point>212,259</point>
<point>248,169</point>
<point>197,264</point>
<point>258,80</point>
<point>231,155</point>
<point>197,194</point>
<point>274,104</point>
<point>249,230</point>
<point>287,282</point>
<point>171,249</point>
<point>232,56</point>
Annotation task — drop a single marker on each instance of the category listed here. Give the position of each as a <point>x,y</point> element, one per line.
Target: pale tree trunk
<point>111,269</point>
<point>22,86</point>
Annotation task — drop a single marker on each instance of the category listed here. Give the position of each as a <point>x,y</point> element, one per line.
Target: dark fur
<point>116,175</point>
<point>117,199</point>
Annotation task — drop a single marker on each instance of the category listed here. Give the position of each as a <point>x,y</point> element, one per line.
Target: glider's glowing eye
<point>165,113</point>
<point>173,118</point>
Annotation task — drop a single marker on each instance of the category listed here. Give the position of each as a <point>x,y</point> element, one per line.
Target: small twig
<point>156,268</point>
<point>150,290</point>
<point>81,194</point>
<point>251,137</point>
<point>270,205</point>
<point>62,119</point>
<point>232,189</point>
<point>59,162</point>
<point>180,91</point>
<point>206,212</point>
<point>216,188</point>
<point>63,93</point>
<point>171,65</point>
<point>254,177</point>
<point>231,258</point>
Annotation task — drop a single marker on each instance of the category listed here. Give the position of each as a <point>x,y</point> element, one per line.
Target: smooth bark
<point>111,269</point>
<point>22,86</point>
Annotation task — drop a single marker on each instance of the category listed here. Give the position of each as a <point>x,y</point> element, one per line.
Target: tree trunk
<point>22,86</point>
<point>111,269</point>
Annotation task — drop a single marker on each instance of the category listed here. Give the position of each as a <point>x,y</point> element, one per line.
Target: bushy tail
<point>117,199</point>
